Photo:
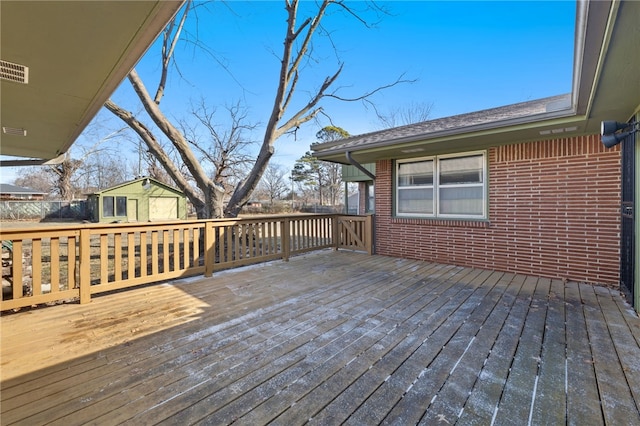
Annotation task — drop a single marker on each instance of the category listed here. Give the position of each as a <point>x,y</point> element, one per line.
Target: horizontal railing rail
<point>50,264</point>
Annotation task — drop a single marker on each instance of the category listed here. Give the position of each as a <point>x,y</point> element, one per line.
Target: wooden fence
<point>56,263</point>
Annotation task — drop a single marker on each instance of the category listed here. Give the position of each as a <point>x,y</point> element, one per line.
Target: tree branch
<point>168,47</point>
<point>174,135</point>
<point>147,136</point>
<point>399,80</point>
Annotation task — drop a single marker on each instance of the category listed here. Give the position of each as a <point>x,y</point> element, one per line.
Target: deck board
<point>426,368</point>
<point>455,391</point>
<point>549,402</point>
<point>329,338</point>
<point>619,406</point>
<point>583,401</point>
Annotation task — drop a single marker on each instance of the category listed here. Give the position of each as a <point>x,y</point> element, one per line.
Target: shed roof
<point>141,179</point>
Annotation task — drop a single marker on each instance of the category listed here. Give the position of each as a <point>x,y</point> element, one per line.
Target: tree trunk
<point>64,184</point>
<point>244,190</point>
<point>214,202</point>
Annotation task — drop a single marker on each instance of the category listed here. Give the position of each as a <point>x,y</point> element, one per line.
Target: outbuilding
<point>143,199</point>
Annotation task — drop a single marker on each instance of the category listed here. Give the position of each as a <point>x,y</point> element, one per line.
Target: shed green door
<point>161,208</point>
<point>132,210</point>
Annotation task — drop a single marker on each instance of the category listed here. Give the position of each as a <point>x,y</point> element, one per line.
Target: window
<point>415,188</point>
<point>121,206</point>
<point>114,206</point>
<point>107,207</point>
<point>442,186</point>
<point>371,198</point>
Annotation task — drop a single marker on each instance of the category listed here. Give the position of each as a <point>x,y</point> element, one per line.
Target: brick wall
<point>553,212</point>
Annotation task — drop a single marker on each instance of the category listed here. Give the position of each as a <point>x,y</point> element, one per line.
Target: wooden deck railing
<point>56,263</point>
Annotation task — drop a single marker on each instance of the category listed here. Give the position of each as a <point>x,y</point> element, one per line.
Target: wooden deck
<point>329,338</point>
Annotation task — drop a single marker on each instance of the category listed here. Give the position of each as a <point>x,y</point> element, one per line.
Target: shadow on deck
<point>328,338</point>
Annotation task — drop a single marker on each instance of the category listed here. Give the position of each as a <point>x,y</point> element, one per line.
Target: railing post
<point>368,233</point>
<point>285,238</point>
<point>336,231</point>
<point>16,262</point>
<point>85,266</point>
<point>209,248</point>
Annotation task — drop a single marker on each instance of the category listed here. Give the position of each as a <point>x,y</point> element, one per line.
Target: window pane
<point>371,199</point>
<point>461,170</point>
<point>463,201</point>
<point>121,206</point>
<point>418,173</point>
<point>107,206</point>
<point>415,201</point>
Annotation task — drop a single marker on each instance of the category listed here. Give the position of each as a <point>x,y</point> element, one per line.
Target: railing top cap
<point>71,227</point>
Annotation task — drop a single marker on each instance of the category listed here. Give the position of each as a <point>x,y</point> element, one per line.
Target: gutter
<point>32,161</point>
<point>359,166</point>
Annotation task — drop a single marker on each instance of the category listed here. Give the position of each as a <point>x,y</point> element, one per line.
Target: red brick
<point>553,212</point>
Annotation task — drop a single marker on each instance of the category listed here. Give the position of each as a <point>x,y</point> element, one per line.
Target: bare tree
<point>274,182</point>
<point>156,171</point>
<point>70,178</point>
<point>103,171</point>
<point>334,182</point>
<point>224,147</point>
<point>76,175</point>
<point>409,114</point>
<point>207,198</point>
<point>35,178</point>
<point>63,175</point>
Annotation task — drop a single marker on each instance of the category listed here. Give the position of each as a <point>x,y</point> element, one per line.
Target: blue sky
<point>465,56</point>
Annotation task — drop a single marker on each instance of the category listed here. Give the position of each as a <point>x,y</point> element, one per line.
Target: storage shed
<point>143,199</point>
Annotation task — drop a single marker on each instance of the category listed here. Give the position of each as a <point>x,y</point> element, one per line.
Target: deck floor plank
<point>485,397</point>
<point>455,392</point>
<point>374,317</point>
<point>583,401</point>
<point>327,338</point>
<point>256,382</point>
<point>322,371</point>
<point>393,394</point>
<point>616,398</point>
<point>625,344</point>
<point>404,339</point>
<point>515,405</point>
<point>386,372</point>
<point>333,297</point>
<point>550,404</point>
<point>236,357</point>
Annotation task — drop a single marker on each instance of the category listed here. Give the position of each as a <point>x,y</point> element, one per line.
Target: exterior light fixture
<point>610,132</point>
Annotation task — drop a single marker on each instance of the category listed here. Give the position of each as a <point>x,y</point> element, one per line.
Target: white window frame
<point>436,186</point>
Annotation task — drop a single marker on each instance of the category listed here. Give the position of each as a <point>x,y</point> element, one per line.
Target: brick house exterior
<point>553,211</point>
<point>548,187</point>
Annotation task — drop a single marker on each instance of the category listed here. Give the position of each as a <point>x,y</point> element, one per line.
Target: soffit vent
<point>14,72</point>
<point>14,131</point>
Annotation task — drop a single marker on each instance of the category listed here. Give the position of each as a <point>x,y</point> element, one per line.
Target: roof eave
<point>455,133</point>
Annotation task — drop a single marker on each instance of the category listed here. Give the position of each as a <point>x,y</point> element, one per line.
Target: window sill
<point>449,222</point>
